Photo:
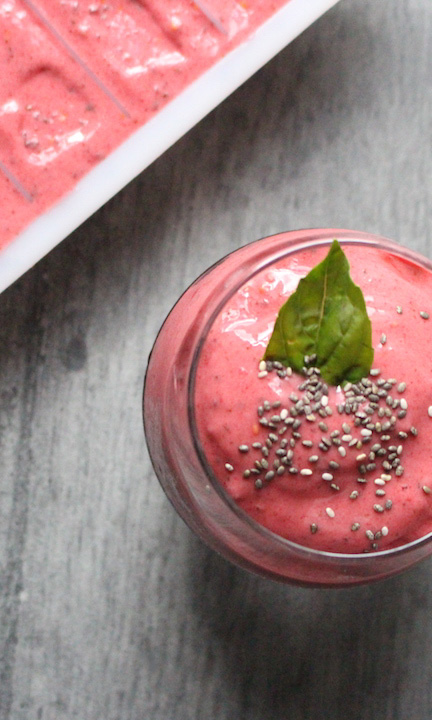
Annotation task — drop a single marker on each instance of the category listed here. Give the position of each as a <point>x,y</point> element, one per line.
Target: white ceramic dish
<point>156,136</point>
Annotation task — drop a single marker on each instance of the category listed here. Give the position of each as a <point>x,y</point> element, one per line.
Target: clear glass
<point>174,448</point>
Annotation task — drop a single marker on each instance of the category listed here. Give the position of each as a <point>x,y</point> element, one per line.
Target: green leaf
<point>326,316</point>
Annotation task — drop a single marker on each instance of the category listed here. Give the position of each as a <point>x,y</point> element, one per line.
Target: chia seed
<point>379,481</point>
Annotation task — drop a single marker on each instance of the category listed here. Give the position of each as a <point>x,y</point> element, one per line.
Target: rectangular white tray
<point>156,136</point>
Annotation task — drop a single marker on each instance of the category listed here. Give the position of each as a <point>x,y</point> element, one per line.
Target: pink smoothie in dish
<point>80,76</point>
<point>344,468</point>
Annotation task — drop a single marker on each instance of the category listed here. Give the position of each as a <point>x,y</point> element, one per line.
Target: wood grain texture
<point>109,608</point>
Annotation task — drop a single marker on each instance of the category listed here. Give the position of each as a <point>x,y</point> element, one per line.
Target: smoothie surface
<point>80,76</point>
<point>346,470</point>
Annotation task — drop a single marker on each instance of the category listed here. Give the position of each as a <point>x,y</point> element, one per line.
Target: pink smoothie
<point>343,470</point>
<point>57,121</point>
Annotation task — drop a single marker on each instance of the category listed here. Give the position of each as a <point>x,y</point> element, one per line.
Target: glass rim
<point>324,237</point>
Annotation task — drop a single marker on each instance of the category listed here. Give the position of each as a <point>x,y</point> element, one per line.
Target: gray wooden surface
<point>109,608</point>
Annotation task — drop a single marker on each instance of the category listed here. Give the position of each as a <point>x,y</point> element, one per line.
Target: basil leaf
<point>326,316</point>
